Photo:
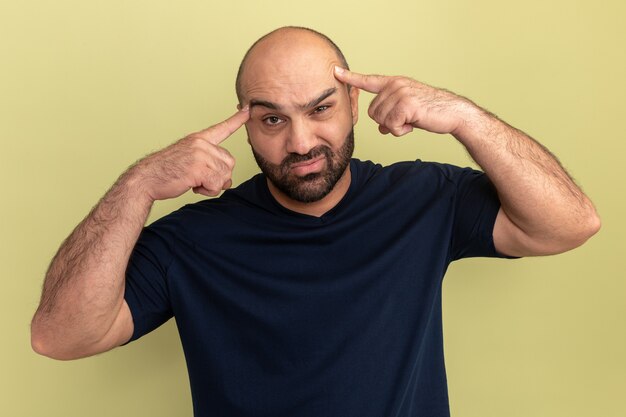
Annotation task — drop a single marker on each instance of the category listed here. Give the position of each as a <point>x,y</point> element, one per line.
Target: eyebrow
<point>323,96</point>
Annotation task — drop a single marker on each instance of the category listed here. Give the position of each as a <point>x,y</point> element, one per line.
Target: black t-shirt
<point>284,314</point>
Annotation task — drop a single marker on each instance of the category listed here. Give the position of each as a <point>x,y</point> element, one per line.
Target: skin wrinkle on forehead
<point>289,84</point>
<point>312,103</point>
<point>279,67</point>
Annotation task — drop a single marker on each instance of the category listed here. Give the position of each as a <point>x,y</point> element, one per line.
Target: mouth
<point>309,166</point>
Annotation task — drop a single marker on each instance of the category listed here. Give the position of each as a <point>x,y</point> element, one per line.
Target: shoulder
<point>412,172</point>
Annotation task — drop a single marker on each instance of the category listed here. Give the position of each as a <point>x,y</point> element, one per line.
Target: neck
<point>316,208</point>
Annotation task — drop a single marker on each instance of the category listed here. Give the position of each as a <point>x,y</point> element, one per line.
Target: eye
<point>272,120</point>
<point>320,109</point>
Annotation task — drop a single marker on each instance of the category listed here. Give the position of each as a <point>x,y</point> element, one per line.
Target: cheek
<point>269,147</point>
<point>337,130</point>
<point>333,135</point>
<point>332,128</point>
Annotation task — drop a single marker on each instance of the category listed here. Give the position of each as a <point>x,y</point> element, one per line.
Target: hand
<point>402,104</point>
<point>196,162</point>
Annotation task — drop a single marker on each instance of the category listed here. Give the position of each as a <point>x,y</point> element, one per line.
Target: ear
<point>354,104</point>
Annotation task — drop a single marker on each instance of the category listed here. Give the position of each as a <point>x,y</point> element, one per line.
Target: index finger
<point>218,133</point>
<point>368,82</point>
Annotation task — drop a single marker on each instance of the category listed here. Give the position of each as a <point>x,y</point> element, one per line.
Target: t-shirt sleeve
<point>146,280</point>
<point>476,206</point>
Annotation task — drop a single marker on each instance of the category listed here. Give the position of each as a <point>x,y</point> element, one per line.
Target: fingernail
<point>246,108</point>
<point>339,70</point>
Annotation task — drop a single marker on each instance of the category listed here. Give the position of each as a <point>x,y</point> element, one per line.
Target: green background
<point>88,87</point>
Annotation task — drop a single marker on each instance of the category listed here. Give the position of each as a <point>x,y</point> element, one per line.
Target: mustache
<point>313,153</point>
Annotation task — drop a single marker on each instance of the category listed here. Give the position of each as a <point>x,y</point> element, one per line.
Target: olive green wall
<point>88,87</point>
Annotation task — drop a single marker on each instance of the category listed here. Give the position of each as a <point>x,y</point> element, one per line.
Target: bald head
<point>282,50</point>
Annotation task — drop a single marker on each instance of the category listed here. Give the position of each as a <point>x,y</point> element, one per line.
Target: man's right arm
<point>82,310</point>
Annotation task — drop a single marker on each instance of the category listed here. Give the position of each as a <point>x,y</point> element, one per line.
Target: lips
<point>310,166</point>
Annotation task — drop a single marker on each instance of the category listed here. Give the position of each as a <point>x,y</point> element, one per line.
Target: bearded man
<point>313,288</point>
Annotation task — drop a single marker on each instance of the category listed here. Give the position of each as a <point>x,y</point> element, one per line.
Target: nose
<point>301,137</point>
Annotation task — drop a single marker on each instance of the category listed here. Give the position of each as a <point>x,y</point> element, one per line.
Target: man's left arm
<point>542,210</point>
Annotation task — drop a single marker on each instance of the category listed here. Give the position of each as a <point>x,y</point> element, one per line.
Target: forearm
<point>83,290</point>
<point>82,310</point>
<point>543,210</point>
<point>536,193</point>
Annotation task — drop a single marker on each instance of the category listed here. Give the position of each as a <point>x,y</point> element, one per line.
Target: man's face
<point>316,181</point>
<point>301,117</point>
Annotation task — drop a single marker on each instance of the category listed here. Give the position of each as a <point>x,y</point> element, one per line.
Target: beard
<point>311,187</point>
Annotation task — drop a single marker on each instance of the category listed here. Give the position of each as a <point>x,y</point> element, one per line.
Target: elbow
<point>584,230</point>
<point>556,237</point>
<point>48,350</point>
<point>564,238</point>
<point>42,346</point>
<point>46,345</point>
<point>594,224</point>
<point>58,341</point>
<point>589,226</point>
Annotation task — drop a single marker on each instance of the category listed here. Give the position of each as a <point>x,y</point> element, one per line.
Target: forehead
<point>290,70</point>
